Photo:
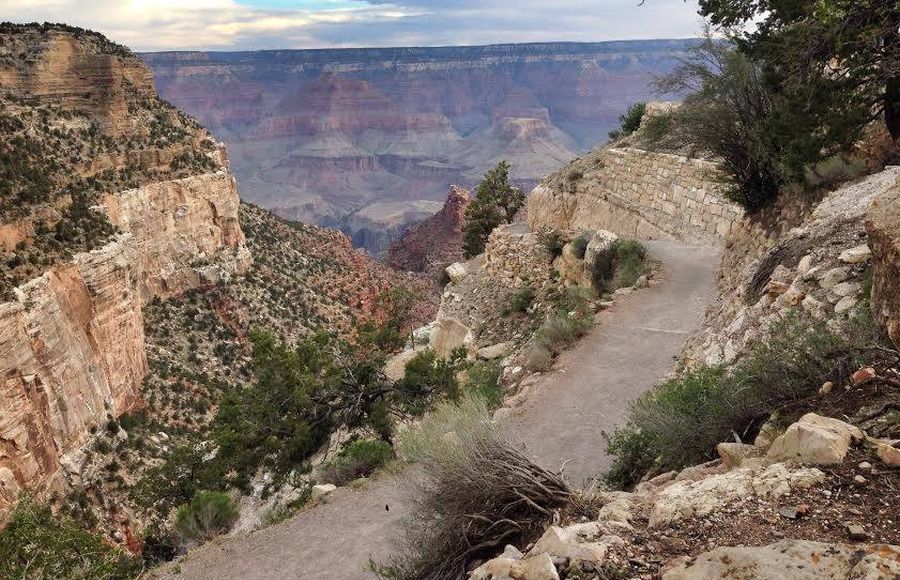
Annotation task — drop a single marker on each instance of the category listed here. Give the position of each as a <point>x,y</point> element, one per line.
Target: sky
<point>149,25</point>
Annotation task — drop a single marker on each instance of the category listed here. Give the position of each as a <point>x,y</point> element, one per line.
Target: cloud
<point>261,24</point>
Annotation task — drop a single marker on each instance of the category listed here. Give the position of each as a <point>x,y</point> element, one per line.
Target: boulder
<point>600,243</point>
<point>457,272</point>
<point>570,267</point>
<point>450,334</point>
<point>539,567</point>
<point>688,499</point>
<point>815,440</point>
<point>856,255</point>
<point>618,507</point>
<point>794,559</point>
<point>572,542</point>
<point>889,454</point>
<point>320,491</point>
<point>733,454</point>
<point>495,351</point>
<point>395,368</point>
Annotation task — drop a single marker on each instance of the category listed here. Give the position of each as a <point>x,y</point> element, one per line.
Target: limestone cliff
<point>72,356</point>
<point>114,199</point>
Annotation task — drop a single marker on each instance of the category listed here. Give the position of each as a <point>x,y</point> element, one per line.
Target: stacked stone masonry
<point>515,257</point>
<point>636,193</point>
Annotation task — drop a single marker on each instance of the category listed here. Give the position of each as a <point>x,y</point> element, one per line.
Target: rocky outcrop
<point>883,226</point>
<point>185,232</point>
<point>817,265</point>
<point>799,559</point>
<point>76,70</point>
<point>72,357</point>
<point>436,242</point>
<point>636,193</point>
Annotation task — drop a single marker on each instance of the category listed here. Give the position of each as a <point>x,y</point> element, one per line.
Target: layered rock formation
<point>319,135</point>
<point>433,244</point>
<point>72,349</point>
<point>71,356</point>
<point>185,232</point>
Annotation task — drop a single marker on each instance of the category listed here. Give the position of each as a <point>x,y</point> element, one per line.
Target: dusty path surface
<point>562,419</point>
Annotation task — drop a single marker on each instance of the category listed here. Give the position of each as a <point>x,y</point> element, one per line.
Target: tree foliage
<point>837,61</point>
<point>496,202</point>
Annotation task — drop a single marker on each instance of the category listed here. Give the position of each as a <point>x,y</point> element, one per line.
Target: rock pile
<point>728,518</point>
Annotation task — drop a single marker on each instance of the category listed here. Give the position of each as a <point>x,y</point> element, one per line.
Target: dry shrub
<point>479,492</point>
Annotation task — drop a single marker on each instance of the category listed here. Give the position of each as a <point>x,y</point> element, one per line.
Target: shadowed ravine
<point>561,421</point>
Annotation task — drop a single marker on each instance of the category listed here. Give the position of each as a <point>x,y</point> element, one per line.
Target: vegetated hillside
<point>79,118</point>
<point>319,135</point>
<point>117,359</point>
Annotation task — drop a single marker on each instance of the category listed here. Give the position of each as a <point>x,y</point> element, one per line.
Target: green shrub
<point>538,358</point>
<point>579,245</point>
<point>209,514</point>
<point>360,459</point>
<point>631,263</point>
<point>553,241</point>
<point>680,422</point>
<point>484,380</point>
<point>833,171</point>
<point>496,202</point>
<point>521,300</point>
<point>428,379</point>
<point>560,330</point>
<point>619,266</point>
<point>38,544</point>
<point>630,121</point>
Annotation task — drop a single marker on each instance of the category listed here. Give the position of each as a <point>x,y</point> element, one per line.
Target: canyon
<point>367,139</point>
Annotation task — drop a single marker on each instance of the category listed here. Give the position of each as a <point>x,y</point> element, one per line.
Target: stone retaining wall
<point>515,257</point>
<point>636,193</point>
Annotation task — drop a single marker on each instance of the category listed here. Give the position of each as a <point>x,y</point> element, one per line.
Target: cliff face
<point>185,232</point>
<point>72,356</point>
<point>436,242</point>
<point>137,193</point>
<point>320,135</point>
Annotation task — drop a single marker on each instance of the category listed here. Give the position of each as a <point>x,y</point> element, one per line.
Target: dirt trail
<point>562,419</point>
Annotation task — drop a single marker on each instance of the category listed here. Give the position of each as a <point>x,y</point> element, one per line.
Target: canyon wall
<point>112,158</point>
<point>883,227</point>
<point>638,194</point>
<point>320,135</point>
<point>185,232</point>
<point>72,357</point>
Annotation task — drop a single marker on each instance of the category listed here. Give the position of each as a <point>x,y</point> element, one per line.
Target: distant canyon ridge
<point>369,140</point>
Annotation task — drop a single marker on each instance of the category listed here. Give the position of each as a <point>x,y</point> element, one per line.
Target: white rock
<point>845,289</point>
<point>319,491</point>
<point>845,304</point>
<point>573,542</point>
<point>687,499</point>
<point>457,272</point>
<point>805,265</point>
<point>537,568</point>
<point>815,440</point>
<point>794,559</point>
<point>833,277</point>
<point>733,454</point>
<point>856,255</point>
<point>495,351</point>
